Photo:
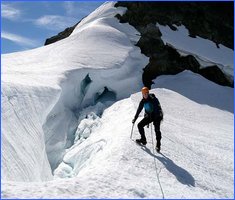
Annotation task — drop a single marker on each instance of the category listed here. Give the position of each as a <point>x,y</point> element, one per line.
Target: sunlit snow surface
<point>197,150</point>
<point>55,118</point>
<point>44,89</point>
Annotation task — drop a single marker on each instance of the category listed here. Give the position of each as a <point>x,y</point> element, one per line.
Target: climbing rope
<point>159,182</point>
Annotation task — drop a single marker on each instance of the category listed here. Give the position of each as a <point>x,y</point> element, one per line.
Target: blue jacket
<point>152,107</point>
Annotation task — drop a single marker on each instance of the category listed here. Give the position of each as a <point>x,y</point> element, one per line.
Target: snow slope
<point>44,89</point>
<point>196,159</point>
<point>205,51</point>
<point>63,138</point>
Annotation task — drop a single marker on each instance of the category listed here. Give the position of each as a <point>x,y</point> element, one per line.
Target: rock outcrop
<point>209,20</point>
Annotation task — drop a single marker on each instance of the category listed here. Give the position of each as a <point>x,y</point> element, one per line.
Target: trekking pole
<point>132,130</point>
<point>151,130</point>
<point>151,133</point>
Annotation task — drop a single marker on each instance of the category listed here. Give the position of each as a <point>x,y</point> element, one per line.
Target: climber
<point>153,113</point>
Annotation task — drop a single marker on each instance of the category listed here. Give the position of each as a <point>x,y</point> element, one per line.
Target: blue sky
<point>26,25</point>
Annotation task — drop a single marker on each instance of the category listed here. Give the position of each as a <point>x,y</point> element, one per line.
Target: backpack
<point>153,97</point>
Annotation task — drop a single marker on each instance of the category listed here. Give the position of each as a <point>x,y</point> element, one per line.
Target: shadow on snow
<point>182,175</point>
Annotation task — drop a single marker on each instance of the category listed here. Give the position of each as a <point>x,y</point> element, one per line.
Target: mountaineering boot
<point>141,141</point>
<point>158,145</point>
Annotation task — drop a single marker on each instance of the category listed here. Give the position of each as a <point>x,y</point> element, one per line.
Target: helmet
<point>145,90</point>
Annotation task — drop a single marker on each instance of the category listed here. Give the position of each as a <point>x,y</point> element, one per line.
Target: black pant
<point>156,122</point>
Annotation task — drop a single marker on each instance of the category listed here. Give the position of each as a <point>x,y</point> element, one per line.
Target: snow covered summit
<point>64,137</point>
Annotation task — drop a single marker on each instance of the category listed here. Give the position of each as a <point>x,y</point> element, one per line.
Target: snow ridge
<point>64,137</point>
<point>197,149</point>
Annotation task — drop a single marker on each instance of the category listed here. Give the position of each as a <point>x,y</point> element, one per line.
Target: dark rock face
<point>168,63</point>
<point>150,41</point>
<point>214,74</point>
<point>209,20</point>
<point>60,35</point>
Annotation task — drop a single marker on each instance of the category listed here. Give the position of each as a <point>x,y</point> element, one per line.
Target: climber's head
<point>145,92</point>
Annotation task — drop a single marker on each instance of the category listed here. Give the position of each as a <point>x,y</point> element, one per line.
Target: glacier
<point>49,82</point>
<point>67,110</point>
